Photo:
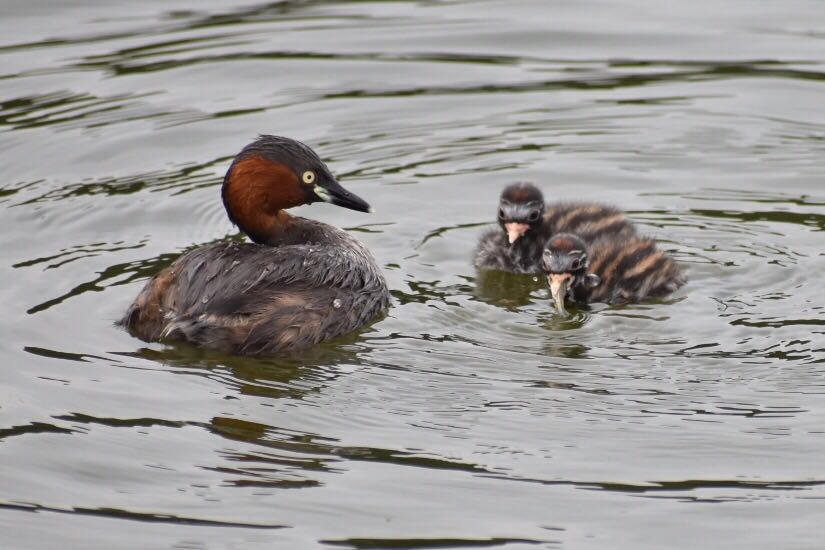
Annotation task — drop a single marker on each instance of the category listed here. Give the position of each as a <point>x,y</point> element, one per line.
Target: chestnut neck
<point>256,191</point>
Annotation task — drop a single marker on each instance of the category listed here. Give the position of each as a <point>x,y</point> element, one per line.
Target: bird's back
<point>253,298</point>
<point>588,220</point>
<point>631,270</point>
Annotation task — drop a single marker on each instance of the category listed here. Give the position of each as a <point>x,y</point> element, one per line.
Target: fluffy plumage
<point>518,202</point>
<point>612,269</point>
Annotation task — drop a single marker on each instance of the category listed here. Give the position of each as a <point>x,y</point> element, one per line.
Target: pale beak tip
<point>558,290</point>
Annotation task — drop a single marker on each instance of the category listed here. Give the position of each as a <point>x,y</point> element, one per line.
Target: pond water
<point>471,416</point>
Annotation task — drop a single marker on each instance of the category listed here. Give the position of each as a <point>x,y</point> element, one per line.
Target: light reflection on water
<point>472,416</point>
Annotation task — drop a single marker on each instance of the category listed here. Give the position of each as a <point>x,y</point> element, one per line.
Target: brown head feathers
<point>272,174</point>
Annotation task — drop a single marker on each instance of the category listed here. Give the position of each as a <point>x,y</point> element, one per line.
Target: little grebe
<point>526,224</point>
<point>612,269</point>
<point>299,283</point>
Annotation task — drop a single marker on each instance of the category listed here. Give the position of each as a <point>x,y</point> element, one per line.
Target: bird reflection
<point>290,376</point>
<point>507,290</point>
<point>271,456</point>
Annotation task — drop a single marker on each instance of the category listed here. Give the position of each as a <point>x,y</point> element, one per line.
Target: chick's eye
<point>575,265</point>
<point>534,216</point>
<point>501,213</point>
<point>308,177</point>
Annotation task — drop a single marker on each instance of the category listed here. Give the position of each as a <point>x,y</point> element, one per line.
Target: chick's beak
<point>559,282</point>
<point>332,192</point>
<point>515,231</point>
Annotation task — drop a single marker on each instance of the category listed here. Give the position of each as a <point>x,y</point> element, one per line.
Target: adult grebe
<point>299,283</point>
<point>526,223</point>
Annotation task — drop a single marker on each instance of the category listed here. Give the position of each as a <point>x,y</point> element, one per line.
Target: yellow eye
<point>309,177</point>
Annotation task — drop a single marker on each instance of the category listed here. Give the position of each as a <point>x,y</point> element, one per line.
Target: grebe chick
<point>613,269</point>
<point>300,282</point>
<point>525,224</point>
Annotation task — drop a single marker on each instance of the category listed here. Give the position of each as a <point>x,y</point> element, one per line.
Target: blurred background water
<point>470,416</point>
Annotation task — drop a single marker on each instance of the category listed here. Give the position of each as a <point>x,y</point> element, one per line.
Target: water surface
<point>471,416</point>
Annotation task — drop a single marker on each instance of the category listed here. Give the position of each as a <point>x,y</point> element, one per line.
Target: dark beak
<point>333,193</point>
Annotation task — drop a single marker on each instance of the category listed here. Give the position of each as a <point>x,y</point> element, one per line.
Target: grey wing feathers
<point>489,252</point>
<point>249,298</point>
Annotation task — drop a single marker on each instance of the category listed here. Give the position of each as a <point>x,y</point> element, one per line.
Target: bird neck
<point>276,229</point>
<point>256,192</point>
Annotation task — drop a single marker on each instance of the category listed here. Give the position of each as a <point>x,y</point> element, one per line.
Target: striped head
<point>566,263</point>
<point>520,210</point>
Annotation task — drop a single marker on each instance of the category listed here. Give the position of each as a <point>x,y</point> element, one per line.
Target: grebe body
<point>612,269</point>
<point>300,282</point>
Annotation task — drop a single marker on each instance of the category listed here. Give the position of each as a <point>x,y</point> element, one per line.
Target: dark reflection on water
<point>274,377</point>
<point>708,72</point>
<point>183,180</point>
<point>105,278</point>
<point>433,543</point>
<point>135,516</point>
<point>472,415</point>
<point>508,290</point>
